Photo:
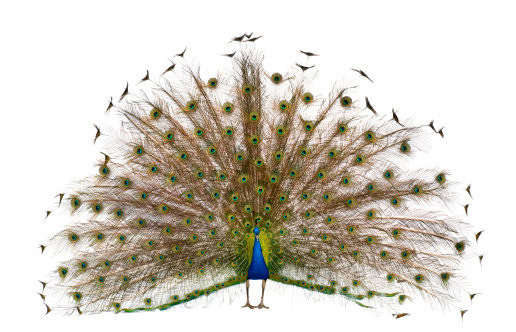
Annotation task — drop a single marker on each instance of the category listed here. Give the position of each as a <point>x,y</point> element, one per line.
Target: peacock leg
<point>261,305</point>
<point>247,304</point>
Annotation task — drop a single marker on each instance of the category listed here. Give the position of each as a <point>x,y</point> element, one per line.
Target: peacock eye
<point>247,88</point>
<point>155,113</point>
<point>191,105</point>
<point>277,78</point>
<point>284,105</point>
<point>345,101</point>
<point>308,97</point>
<point>212,82</point>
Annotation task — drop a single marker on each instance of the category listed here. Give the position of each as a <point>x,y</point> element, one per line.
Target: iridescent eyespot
<point>384,254</point>
<point>125,182</point>
<point>351,202</point>
<point>168,135</point>
<point>356,283</point>
<point>346,180</point>
<point>388,174</point>
<point>308,97</point>
<point>322,174</point>
<point>396,232</point>
<point>343,128</point>
<point>419,278</point>
<point>405,255</point>
<point>187,221</point>
<point>371,187</point>
<point>211,149</point>
<point>198,131</point>
<point>332,153</point>
<point>234,197</point>
<point>309,125</point>
<point>276,78</point>
<point>103,170</point>
<point>417,190</point>
<point>405,147</point>
<point>284,105</point>
<point>441,178</point>
<point>77,296</point>
<point>183,156</point>
<point>280,130</point>
<point>155,113</point>
<point>460,246</point>
<point>228,131</point>
<point>370,136</point>
<point>254,139</point>
<point>163,208</point>
<point>273,178</point>
<point>63,272</point>
<point>345,101</point>
<point>267,207</point>
<point>352,229</point>
<point>304,152</point>
<point>260,190</point>
<point>401,298</point>
<point>283,197</point>
<point>138,150</point>
<point>327,197</point>
<point>221,175</point>
<point>191,105</point>
<point>360,159</point>
<point>395,201</point>
<point>258,162</point>
<point>445,276</point>
<point>247,89</point>
<point>212,82</point>
<point>254,116</point>
<point>96,207</point>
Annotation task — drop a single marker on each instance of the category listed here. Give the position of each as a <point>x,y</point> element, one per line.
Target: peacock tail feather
<point>197,163</point>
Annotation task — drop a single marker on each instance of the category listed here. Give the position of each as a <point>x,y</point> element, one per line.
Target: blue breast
<point>258,269</point>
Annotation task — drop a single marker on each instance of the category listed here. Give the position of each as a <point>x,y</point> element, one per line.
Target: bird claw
<point>261,305</point>
<point>248,305</point>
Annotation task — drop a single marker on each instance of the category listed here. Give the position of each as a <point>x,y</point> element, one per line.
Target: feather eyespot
<point>168,136</point>
<point>346,101</point>
<point>284,105</point>
<point>155,113</point>
<point>247,88</point>
<point>276,78</point>
<point>212,82</point>
<point>191,105</point>
<point>308,97</point>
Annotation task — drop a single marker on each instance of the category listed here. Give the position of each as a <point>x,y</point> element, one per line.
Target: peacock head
<point>256,230</point>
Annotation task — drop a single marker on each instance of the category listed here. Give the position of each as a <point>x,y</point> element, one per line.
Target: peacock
<point>208,184</point>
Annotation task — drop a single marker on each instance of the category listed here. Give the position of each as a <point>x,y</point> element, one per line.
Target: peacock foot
<point>261,305</point>
<point>248,305</point>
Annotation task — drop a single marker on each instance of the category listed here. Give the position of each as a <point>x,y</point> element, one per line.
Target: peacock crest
<point>203,171</point>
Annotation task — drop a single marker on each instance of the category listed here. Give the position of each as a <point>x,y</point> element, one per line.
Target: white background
<point>449,61</point>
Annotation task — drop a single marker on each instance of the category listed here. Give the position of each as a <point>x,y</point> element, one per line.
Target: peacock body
<point>209,183</point>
